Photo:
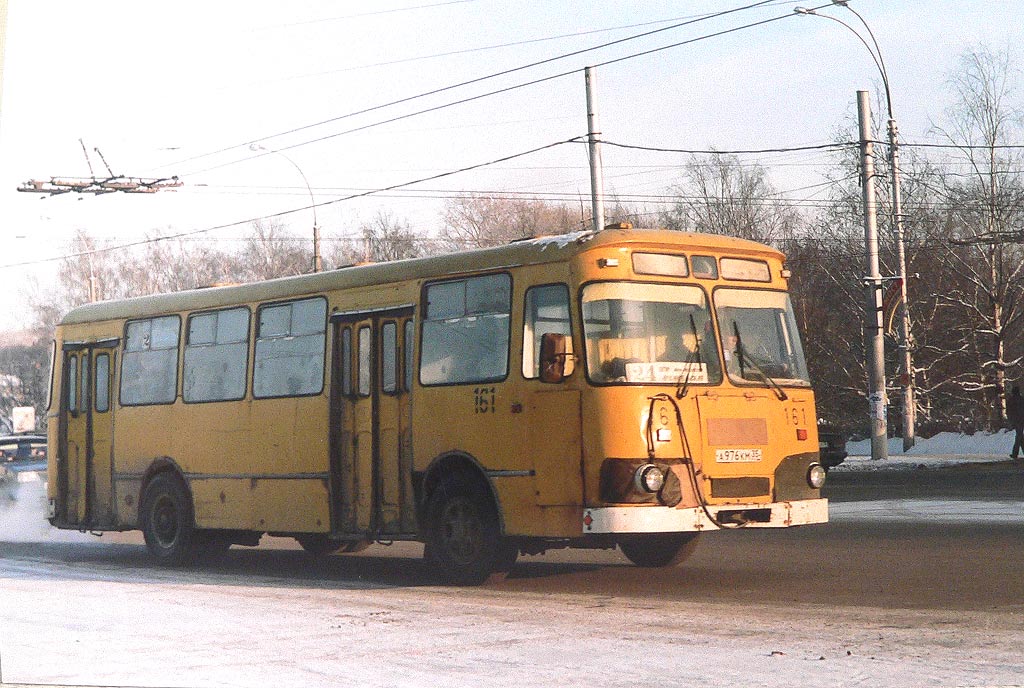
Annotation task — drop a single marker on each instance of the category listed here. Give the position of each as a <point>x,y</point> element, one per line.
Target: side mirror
<point>553,354</point>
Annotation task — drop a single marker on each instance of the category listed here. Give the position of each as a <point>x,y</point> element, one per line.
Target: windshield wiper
<point>743,360</point>
<point>693,357</point>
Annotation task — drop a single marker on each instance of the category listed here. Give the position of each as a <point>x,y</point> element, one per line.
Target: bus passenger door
<point>86,435</point>
<point>393,459</point>
<point>73,432</point>
<point>371,457</point>
<point>345,484</point>
<point>101,438</point>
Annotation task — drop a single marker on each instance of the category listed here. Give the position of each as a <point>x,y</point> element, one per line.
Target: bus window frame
<point>177,362</point>
<point>585,354</point>
<point>396,367</point>
<point>745,280</point>
<point>249,352</point>
<point>363,388</point>
<point>70,390</point>
<point>255,336</point>
<point>571,355</point>
<point>424,311</point>
<point>347,372</point>
<point>408,376</point>
<point>743,382</point>
<point>96,383</point>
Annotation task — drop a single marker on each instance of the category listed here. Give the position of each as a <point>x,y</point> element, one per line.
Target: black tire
<point>464,541</point>
<point>319,544</point>
<point>659,549</point>
<point>167,521</point>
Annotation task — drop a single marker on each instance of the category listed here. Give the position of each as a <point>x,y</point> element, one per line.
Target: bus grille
<point>740,487</point>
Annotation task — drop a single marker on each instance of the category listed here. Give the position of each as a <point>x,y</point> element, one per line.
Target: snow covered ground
<point>945,447</point>
<point>586,626</point>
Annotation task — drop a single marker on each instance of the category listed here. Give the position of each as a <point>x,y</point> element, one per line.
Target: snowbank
<point>945,444</point>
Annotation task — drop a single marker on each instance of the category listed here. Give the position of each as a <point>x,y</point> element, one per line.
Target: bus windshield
<point>759,337</point>
<point>649,334</point>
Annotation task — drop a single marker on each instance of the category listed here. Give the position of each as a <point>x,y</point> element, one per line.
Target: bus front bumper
<point>664,519</point>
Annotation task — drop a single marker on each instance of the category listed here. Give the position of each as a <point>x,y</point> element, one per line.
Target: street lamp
<point>909,403</point>
<point>317,262</point>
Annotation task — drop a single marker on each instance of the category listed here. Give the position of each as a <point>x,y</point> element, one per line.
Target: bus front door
<point>86,435</point>
<point>371,448</point>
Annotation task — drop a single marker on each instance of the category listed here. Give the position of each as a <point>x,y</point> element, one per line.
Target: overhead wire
<point>476,80</point>
<point>282,213</point>
<point>485,48</point>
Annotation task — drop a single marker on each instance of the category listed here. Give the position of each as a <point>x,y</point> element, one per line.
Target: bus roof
<point>527,252</point>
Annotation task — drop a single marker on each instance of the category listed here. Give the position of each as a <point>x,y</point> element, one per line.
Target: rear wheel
<point>464,540</point>
<point>656,550</point>
<point>167,521</point>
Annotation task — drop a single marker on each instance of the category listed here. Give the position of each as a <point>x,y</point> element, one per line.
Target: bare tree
<point>271,252</point>
<point>482,221</point>
<point>987,209</point>
<point>719,194</point>
<point>24,375</point>
<point>386,238</point>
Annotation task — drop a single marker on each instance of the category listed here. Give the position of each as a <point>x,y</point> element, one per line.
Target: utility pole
<point>596,173</point>
<point>907,379</point>
<point>874,344</point>
<point>909,401</point>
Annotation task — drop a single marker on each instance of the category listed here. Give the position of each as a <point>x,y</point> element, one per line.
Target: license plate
<point>737,455</point>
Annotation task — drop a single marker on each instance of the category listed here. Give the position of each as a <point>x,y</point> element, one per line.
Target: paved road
<point>875,601</point>
<point>887,560</point>
<point>984,481</point>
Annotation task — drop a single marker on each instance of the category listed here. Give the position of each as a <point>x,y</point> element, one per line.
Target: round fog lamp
<point>649,478</point>
<point>815,476</point>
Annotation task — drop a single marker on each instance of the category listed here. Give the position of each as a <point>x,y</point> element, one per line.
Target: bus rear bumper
<point>663,519</point>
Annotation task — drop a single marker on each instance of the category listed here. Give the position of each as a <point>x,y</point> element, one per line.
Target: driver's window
<point>546,310</point>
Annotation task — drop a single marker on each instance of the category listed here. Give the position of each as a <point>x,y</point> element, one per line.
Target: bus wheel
<point>318,544</point>
<point>167,522</point>
<point>659,549</point>
<point>464,539</point>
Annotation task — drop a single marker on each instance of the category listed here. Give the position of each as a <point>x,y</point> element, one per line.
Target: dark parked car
<point>22,460</point>
<point>831,445</point>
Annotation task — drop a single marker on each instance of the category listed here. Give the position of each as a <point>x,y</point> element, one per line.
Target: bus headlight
<point>648,478</point>
<point>815,476</point>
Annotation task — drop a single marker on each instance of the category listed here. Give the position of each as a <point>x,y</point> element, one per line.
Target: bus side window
<point>546,311</point>
<point>149,365</point>
<point>346,361</point>
<point>216,355</point>
<point>466,330</point>
<point>83,386</point>
<point>103,383</point>
<point>389,358</point>
<point>407,361</point>
<point>72,384</point>
<point>365,354</point>
<point>290,346</point>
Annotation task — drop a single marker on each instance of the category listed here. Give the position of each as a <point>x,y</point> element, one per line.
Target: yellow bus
<point>627,388</point>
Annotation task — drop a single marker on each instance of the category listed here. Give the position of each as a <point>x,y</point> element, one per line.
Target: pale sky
<point>159,87</point>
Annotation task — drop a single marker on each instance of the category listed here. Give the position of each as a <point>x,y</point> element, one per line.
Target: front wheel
<point>659,549</point>
<point>464,539</point>
<point>167,521</point>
